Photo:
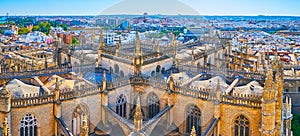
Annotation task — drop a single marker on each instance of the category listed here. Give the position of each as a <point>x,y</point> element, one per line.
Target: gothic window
<point>28,126</point>
<point>111,70</point>
<point>153,105</point>
<point>121,106</point>
<point>78,114</point>
<point>158,68</point>
<point>152,73</point>
<point>163,70</point>
<point>241,126</point>
<point>121,73</point>
<point>116,68</point>
<point>193,119</point>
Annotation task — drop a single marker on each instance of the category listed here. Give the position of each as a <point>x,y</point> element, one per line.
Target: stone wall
<point>230,112</point>
<point>43,113</point>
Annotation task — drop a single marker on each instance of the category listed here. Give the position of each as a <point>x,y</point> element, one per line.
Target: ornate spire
<point>171,84</point>
<point>174,48</point>
<point>218,91</point>
<point>173,39</point>
<point>100,41</point>
<point>269,92</point>
<point>138,51</point>
<point>93,37</point>
<point>138,116</point>
<point>104,81</point>
<point>269,97</point>
<point>5,128</point>
<point>56,84</point>
<point>138,57</point>
<point>193,132</point>
<point>85,128</point>
<point>56,96</point>
<point>4,90</point>
<point>158,49</point>
<point>193,55</point>
<point>276,62</point>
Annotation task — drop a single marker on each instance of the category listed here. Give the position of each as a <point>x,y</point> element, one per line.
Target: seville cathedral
<point>205,88</point>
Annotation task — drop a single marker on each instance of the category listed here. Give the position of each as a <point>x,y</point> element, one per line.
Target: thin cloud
<point>165,7</point>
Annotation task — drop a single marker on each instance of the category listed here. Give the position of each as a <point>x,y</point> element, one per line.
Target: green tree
<point>36,28</point>
<point>75,41</point>
<point>296,125</point>
<point>23,30</point>
<point>64,26</point>
<point>45,27</point>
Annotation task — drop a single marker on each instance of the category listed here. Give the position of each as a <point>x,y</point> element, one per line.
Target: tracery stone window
<point>241,126</point>
<point>121,106</point>
<point>193,119</point>
<point>153,105</point>
<point>29,126</point>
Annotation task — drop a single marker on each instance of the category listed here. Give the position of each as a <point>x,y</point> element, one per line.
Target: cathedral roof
<point>253,88</point>
<point>18,88</point>
<point>211,83</point>
<point>64,83</point>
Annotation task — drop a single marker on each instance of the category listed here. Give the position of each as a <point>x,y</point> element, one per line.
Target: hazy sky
<point>203,7</point>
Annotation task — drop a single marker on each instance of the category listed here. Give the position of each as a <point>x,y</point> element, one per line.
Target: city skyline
<point>92,7</point>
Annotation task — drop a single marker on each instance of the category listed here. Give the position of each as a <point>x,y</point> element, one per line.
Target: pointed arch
<point>153,105</point>
<point>121,105</point>
<point>241,126</point>
<point>77,117</point>
<point>111,70</point>
<point>122,73</point>
<point>193,118</point>
<point>28,125</point>
<point>158,68</point>
<point>116,66</point>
